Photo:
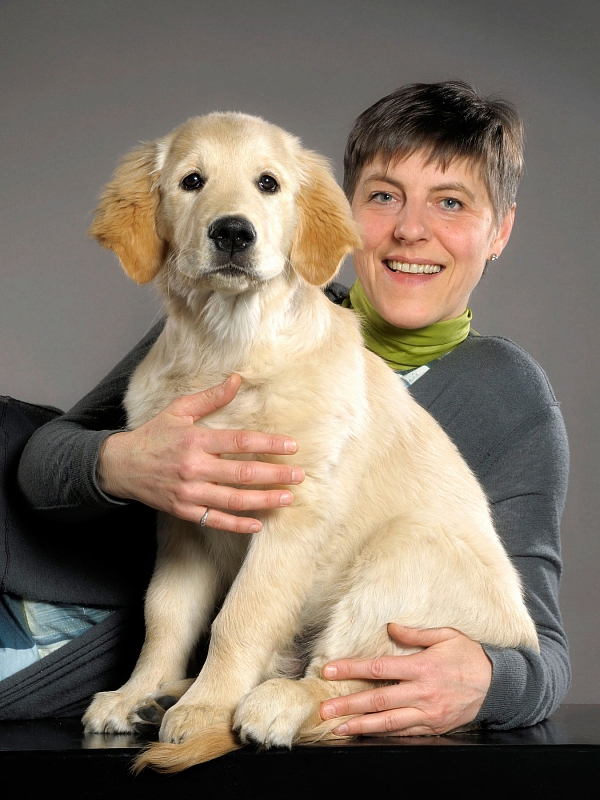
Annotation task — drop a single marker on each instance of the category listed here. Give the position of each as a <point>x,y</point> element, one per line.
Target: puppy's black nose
<point>231,234</point>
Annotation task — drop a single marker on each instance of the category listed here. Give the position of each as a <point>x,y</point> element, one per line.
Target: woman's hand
<point>440,688</point>
<point>175,466</point>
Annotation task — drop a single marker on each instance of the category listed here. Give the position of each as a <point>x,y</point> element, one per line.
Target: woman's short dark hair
<point>447,121</point>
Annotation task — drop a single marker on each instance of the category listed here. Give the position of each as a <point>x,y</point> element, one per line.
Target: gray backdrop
<point>83,82</point>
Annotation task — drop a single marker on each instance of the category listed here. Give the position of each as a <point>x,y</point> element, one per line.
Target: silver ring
<point>204,516</point>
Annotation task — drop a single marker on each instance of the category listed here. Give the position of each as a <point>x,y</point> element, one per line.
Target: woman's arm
<point>527,483</point>
<point>57,471</point>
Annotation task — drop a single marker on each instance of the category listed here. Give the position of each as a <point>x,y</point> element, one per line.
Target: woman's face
<point>437,224</point>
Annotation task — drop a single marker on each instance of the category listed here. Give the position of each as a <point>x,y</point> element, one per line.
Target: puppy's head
<point>225,202</point>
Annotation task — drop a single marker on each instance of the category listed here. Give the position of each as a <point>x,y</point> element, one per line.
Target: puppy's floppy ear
<point>125,220</point>
<point>325,232</point>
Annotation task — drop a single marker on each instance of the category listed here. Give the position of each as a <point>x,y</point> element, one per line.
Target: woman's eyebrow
<point>383,178</point>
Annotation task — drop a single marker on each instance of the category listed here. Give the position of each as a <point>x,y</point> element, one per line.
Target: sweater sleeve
<point>526,480</point>
<point>57,471</point>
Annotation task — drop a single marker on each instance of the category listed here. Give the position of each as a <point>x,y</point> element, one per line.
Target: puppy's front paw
<point>109,713</point>
<point>274,712</point>
<point>186,719</point>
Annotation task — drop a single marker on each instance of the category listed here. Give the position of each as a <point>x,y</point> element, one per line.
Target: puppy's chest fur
<point>316,396</point>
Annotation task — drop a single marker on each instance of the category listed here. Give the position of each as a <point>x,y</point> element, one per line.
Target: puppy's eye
<point>267,183</point>
<point>192,182</point>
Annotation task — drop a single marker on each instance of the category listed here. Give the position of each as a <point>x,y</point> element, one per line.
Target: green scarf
<point>406,349</point>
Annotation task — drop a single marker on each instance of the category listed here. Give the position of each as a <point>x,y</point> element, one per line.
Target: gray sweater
<point>495,403</point>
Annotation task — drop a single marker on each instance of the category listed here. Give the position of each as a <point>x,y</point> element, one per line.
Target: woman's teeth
<point>400,266</point>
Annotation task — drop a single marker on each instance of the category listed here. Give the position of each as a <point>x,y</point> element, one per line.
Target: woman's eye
<point>192,182</point>
<point>451,203</point>
<point>382,197</point>
<point>267,183</point>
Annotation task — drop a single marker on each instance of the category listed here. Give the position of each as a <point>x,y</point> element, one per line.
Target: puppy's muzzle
<point>231,235</point>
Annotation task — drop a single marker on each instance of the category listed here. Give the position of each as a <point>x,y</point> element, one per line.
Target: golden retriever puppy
<point>240,226</point>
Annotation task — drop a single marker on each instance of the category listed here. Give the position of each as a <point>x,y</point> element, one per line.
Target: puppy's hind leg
<point>280,712</point>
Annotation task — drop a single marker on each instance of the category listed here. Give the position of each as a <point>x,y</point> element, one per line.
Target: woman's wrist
<point>109,465</point>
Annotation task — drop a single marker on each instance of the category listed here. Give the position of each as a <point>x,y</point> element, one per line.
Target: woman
<point>431,172</point>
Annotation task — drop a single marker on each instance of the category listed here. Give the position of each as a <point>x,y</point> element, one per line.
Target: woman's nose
<point>411,223</point>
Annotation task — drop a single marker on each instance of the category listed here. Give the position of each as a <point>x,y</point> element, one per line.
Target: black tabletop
<point>556,758</point>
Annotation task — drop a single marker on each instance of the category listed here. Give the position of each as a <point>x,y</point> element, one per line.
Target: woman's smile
<point>414,267</point>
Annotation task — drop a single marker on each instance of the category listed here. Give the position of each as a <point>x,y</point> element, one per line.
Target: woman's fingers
<point>189,503</point>
<point>193,407</point>
<point>225,522</point>
<point>385,710</point>
<point>384,668</point>
<point>396,721</point>
<point>383,698</point>
<point>200,404</point>
<point>247,473</point>
<point>235,442</point>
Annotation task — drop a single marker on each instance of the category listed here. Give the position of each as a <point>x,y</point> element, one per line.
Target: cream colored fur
<point>389,525</point>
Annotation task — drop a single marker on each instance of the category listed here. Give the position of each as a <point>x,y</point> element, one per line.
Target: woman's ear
<point>125,220</point>
<point>503,232</point>
<point>325,232</point>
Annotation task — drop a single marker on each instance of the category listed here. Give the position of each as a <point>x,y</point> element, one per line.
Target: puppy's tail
<point>212,742</point>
